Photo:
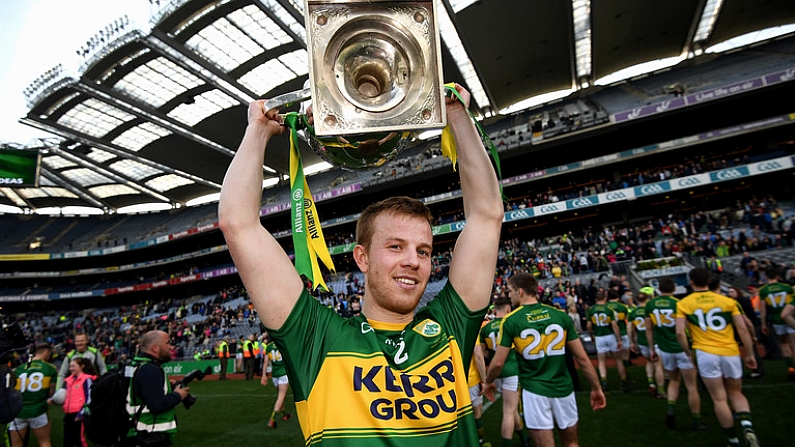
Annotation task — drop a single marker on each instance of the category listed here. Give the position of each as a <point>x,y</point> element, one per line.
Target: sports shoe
<point>286,416</point>
<point>626,386</point>
<point>757,375</point>
<point>661,396</point>
<point>750,438</point>
<point>653,389</point>
<point>670,420</point>
<point>700,427</point>
<point>271,423</point>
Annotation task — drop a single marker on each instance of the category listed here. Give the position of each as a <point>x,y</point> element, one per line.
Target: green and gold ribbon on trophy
<point>308,241</point>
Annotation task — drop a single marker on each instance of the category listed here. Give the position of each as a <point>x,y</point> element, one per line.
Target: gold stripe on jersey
<point>391,433</point>
<point>378,399</point>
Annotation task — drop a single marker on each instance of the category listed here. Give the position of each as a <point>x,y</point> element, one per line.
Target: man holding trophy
<point>404,373</point>
<point>400,372</point>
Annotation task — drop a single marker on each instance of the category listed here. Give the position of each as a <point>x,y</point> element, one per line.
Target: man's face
<point>164,348</point>
<point>513,295</point>
<point>81,343</point>
<point>397,265</point>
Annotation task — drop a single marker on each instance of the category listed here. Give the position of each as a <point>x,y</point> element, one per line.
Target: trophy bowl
<point>359,151</point>
<point>375,79</point>
<point>375,76</point>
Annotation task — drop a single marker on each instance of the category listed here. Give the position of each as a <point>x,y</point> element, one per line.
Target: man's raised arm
<point>267,273</point>
<point>475,255</point>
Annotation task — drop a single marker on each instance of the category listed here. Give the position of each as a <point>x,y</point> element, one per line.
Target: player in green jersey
<point>622,314</point>
<point>400,371</point>
<point>639,343</point>
<point>663,346</point>
<point>712,320</point>
<point>36,381</point>
<point>540,335</point>
<point>775,296</point>
<point>603,329</point>
<point>788,314</point>
<point>508,381</point>
<point>278,375</point>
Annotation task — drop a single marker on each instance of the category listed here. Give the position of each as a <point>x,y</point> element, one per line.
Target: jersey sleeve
<point>680,310</point>
<point>505,336</point>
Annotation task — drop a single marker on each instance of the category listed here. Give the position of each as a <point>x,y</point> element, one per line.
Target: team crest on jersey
<point>428,328</point>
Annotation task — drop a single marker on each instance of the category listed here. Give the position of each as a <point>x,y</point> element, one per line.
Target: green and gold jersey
<point>709,318</point>
<point>489,335</point>
<point>775,296</point>
<point>33,381</point>
<point>601,318</point>
<point>400,384</point>
<point>621,311</point>
<point>275,359</point>
<point>539,335</point>
<point>637,318</point>
<point>662,312</point>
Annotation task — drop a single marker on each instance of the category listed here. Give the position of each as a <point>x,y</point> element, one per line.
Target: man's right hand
<point>653,354</point>
<point>183,391</point>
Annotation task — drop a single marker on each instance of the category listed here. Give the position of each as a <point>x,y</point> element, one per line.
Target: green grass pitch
<point>235,412</point>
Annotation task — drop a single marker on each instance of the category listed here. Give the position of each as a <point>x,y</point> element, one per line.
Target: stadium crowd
<point>574,264</point>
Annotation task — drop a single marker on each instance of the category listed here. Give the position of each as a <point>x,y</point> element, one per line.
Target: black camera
<point>196,374</point>
<point>12,338</point>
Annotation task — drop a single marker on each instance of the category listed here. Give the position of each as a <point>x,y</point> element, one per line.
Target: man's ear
<point>360,256</point>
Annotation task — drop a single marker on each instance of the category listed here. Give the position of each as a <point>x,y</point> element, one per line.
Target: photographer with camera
<point>152,400</point>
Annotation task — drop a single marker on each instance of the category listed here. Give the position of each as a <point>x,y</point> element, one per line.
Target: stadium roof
<point>156,112</point>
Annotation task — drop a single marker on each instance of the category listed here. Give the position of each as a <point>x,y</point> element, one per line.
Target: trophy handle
<point>287,99</point>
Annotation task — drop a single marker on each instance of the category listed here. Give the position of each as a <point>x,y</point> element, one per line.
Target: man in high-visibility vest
<point>223,357</point>
<point>82,350</point>
<point>259,350</point>
<point>249,357</point>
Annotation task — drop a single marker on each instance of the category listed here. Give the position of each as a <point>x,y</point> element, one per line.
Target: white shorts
<point>475,396</point>
<point>625,342</point>
<point>713,366</point>
<point>672,362</point>
<point>510,383</point>
<point>281,380</point>
<point>543,413</point>
<point>239,355</point>
<point>606,343</point>
<point>34,423</point>
<point>783,329</point>
<point>644,350</point>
